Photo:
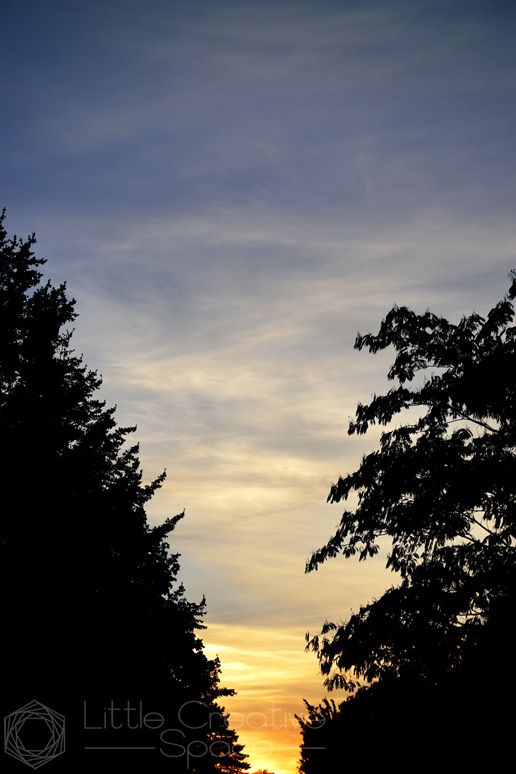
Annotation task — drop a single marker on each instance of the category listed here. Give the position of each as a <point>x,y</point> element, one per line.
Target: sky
<point>232,190</point>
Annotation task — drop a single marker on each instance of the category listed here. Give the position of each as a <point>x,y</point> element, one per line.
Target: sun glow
<point>272,674</point>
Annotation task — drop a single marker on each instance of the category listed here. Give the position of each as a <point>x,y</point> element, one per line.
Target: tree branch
<point>476,421</point>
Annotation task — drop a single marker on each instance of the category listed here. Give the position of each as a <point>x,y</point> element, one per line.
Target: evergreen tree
<point>89,589</point>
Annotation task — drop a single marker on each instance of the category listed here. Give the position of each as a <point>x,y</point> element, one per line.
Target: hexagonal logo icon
<point>34,734</point>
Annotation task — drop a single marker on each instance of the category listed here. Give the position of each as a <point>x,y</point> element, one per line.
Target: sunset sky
<point>231,191</point>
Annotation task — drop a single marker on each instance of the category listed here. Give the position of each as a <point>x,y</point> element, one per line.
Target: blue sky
<point>231,191</point>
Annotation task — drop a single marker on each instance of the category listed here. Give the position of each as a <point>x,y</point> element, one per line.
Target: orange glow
<point>272,675</point>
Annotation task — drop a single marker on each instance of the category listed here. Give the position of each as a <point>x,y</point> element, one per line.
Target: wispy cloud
<point>231,191</point>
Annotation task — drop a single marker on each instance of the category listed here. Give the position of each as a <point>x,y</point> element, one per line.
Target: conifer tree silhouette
<point>90,597</point>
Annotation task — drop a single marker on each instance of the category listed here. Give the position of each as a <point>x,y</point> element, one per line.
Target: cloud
<point>231,191</point>
<point>317,108</point>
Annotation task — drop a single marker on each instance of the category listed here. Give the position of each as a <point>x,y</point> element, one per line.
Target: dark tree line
<point>91,604</point>
<point>429,665</point>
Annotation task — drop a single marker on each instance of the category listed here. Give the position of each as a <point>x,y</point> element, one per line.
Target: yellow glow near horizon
<point>272,674</point>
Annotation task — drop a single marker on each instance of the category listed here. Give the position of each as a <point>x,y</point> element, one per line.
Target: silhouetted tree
<point>442,489</point>
<point>324,736</point>
<point>89,588</point>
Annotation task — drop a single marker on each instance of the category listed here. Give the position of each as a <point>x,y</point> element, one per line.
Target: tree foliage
<point>441,492</point>
<point>441,488</point>
<point>89,587</point>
